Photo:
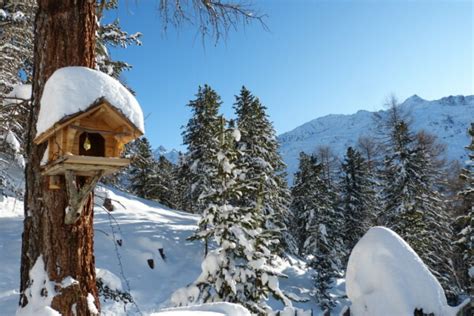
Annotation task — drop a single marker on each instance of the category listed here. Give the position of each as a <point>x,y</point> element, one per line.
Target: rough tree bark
<point>64,36</point>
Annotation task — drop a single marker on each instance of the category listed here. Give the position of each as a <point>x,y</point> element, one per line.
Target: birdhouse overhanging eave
<point>99,104</point>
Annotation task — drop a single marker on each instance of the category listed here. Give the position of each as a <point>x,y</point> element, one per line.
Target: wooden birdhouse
<point>86,117</point>
<point>87,142</point>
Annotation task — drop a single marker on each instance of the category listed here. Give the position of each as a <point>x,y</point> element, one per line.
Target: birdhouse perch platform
<point>84,165</point>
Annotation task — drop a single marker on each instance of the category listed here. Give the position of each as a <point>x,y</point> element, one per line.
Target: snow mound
<point>73,89</point>
<point>39,302</point>
<point>386,277</point>
<point>214,309</point>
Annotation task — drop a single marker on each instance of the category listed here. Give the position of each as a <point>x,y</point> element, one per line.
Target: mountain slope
<point>448,118</point>
<point>137,229</point>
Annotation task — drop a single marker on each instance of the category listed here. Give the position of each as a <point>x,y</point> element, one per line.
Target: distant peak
<point>414,99</point>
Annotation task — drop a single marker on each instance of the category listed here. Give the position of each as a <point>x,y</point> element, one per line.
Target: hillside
<point>448,118</point>
<point>142,228</point>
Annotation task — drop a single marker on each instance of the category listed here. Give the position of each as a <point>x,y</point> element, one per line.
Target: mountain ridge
<point>448,118</point>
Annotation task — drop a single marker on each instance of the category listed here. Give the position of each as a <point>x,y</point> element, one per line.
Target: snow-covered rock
<point>386,277</point>
<point>72,89</point>
<point>448,118</point>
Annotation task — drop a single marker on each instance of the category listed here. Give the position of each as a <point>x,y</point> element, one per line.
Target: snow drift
<point>72,89</point>
<point>386,277</point>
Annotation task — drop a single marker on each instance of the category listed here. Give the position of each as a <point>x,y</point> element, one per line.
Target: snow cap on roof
<point>73,89</point>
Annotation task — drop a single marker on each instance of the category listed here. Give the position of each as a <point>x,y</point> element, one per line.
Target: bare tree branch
<point>214,18</point>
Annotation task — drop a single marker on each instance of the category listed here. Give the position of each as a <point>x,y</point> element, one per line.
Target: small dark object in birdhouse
<point>151,263</point>
<point>119,242</point>
<point>108,205</point>
<point>162,253</point>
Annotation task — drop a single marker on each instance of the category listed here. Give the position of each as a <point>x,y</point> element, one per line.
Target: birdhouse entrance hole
<point>91,144</point>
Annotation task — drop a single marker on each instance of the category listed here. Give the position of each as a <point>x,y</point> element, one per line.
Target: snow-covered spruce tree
<point>142,169</point>
<point>357,199</point>
<point>414,208</point>
<point>200,138</point>
<point>240,269</point>
<point>301,194</point>
<point>16,42</point>
<point>464,224</point>
<point>182,184</point>
<point>111,35</point>
<point>319,236</point>
<point>265,182</point>
<point>162,183</point>
<point>16,59</point>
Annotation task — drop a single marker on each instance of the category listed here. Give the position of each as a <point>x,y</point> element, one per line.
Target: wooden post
<point>78,195</point>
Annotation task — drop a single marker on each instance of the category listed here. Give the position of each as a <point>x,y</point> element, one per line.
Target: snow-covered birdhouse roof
<point>75,91</point>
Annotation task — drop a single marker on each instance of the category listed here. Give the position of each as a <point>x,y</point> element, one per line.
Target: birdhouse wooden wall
<point>96,131</point>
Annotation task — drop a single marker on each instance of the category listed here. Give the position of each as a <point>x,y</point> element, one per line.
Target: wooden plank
<point>85,165</point>
<point>97,160</point>
<point>92,130</point>
<point>57,126</point>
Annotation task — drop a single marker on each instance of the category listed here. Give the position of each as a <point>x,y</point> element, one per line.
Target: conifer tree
<point>414,208</point>
<point>16,59</point>
<point>465,222</point>
<point>162,182</point>
<point>200,138</point>
<point>240,269</point>
<point>301,194</point>
<point>314,206</point>
<point>142,169</point>
<point>16,29</point>
<point>112,35</point>
<point>358,196</point>
<point>182,183</point>
<point>265,169</point>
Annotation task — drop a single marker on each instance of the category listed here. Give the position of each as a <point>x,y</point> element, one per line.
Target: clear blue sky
<point>318,58</point>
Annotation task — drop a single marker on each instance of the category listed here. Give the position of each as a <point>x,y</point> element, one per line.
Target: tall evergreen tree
<point>465,222</point>
<point>358,199</point>
<point>414,208</point>
<point>200,138</point>
<point>162,183</point>
<point>111,35</point>
<point>182,183</point>
<point>265,170</point>
<point>320,240</point>
<point>16,35</point>
<point>142,169</point>
<point>240,269</point>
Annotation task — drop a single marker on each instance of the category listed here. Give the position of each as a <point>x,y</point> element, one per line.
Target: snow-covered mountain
<point>447,118</point>
<point>172,155</point>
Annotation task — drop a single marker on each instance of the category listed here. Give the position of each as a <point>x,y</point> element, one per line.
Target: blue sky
<point>318,58</point>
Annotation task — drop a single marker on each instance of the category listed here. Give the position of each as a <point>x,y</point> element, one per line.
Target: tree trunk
<point>64,36</point>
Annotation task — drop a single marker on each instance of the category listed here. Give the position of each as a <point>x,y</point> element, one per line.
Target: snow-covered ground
<point>142,228</point>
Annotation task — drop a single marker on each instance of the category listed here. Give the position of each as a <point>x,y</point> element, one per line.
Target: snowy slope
<point>448,118</point>
<point>144,227</point>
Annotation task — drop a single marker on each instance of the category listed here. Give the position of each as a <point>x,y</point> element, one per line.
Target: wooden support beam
<point>78,196</point>
<point>92,130</point>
